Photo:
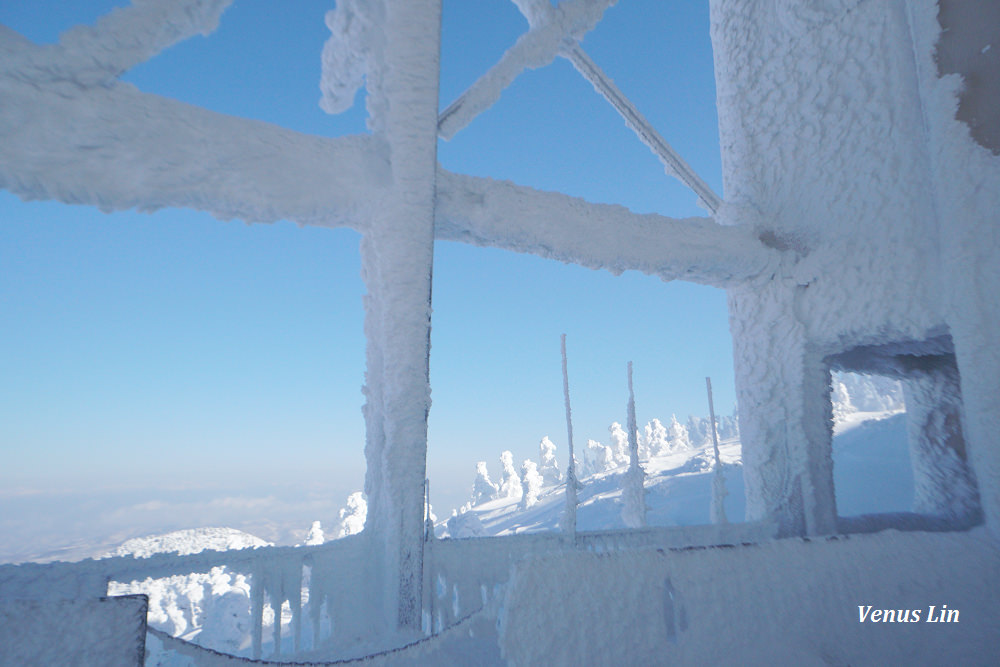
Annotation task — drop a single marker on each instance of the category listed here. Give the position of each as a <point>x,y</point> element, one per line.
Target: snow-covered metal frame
<point>72,131</point>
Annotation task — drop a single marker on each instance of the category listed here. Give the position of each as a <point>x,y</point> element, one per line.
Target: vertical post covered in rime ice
<point>569,518</point>
<point>719,493</point>
<point>634,511</point>
<point>787,433</point>
<point>397,253</point>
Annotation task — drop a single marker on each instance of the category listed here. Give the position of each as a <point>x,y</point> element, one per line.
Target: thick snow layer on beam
<point>124,38</point>
<point>501,214</point>
<point>115,147</point>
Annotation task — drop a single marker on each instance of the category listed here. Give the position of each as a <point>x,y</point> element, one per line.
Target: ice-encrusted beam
<point>121,39</point>
<point>674,163</point>
<point>115,147</point>
<point>501,214</point>
<point>570,20</point>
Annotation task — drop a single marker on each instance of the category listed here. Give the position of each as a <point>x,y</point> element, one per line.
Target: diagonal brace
<point>672,161</point>
<point>550,28</point>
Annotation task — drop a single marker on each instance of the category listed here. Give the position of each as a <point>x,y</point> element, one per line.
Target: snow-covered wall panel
<point>842,150</point>
<point>967,190</point>
<point>825,154</point>
<point>105,631</point>
<point>787,602</point>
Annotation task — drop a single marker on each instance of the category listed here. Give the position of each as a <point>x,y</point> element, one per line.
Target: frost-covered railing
<point>463,575</point>
<point>321,588</point>
<point>279,577</point>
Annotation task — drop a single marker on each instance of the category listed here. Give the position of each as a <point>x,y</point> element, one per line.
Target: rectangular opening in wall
<point>899,450</point>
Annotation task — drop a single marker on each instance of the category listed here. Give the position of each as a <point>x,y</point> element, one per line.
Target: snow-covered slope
<point>871,468</point>
<point>678,490</point>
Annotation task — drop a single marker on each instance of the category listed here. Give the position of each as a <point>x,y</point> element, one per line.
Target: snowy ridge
<point>191,541</point>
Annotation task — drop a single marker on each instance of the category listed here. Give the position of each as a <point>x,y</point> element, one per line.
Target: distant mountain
<point>191,541</point>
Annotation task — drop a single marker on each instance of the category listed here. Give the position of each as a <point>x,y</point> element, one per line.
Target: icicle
<point>257,608</point>
<point>634,511</point>
<point>276,594</point>
<point>569,517</point>
<point>295,601</point>
<point>719,493</point>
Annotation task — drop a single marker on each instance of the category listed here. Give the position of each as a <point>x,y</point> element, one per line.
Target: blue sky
<point>174,349</point>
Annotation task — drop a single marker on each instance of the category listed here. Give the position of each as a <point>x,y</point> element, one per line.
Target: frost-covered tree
<point>869,393</point>
<point>352,517</point>
<point>598,458</point>
<point>841,399</point>
<point>315,534</point>
<point>531,484</point>
<point>698,433</point>
<point>677,436</point>
<point>619,443</point>
<point>729,427</point>
<point>549,468</point>
<point>510,481</point>
<point>466,524</point>
<point>633,490</point>
<point>656,438</point>
<point>483,489</point>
